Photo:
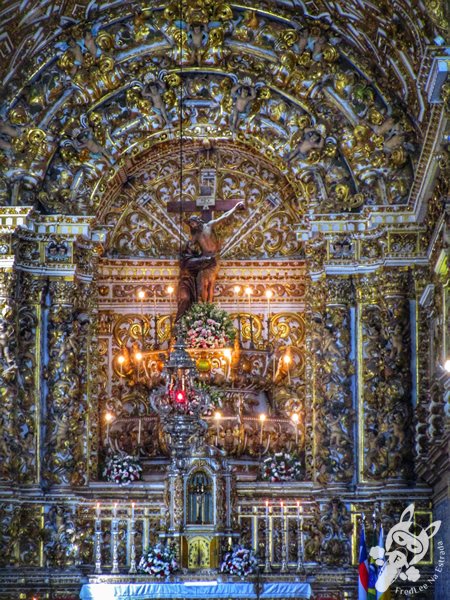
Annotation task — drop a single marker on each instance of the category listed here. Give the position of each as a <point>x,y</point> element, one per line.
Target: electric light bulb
<point>248,291</point>
<point>170,290</point>
<point>109,417</point>
<point>447,365</point>
<point>262,417</point>
<point>237,289</point>
<point>121,359</point>
<point>138,356</point>
<point>227,353</point>
<point>141,294</point>
<point>217,415</point>
<point>287,359</point>
<point>295,417</point>
<point>269,294</point>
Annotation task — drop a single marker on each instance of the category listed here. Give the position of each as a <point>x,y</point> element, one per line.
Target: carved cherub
<point>196,38</point>
<point>154,90</point>
<point>243,96</point>
<point>6,334</point>
<point>312,139</point>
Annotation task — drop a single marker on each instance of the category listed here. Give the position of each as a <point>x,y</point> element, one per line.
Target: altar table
<point>147,591</point>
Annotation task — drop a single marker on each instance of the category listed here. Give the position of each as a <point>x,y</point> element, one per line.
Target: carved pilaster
<point>63,383</point>
<point>424,300</point>
<point>333,415</point>
<point>385,411</point>
<point>31,290</point>
<point>9,383</point>
<point>315,303</point>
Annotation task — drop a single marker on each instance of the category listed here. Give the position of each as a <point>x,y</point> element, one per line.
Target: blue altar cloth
<point>142,591</point>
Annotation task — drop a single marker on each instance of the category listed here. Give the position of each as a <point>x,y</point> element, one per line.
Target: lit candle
<point>249,291</point>
<point>287,361</point>
<point>141,296</point>
<point>262,418</point>
<point>217,417</point>
<point>295,420</point>
<point>97,510</point>
<point>108,419</point>
<point>227,353</point>
<point>139,432</point>
<point>302,539</point>
<point>236,291</point>
<point>170,291</point>
<point>121,360</point>
<point>269,295</point>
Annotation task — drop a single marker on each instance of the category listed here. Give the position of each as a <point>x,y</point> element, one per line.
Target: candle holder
<point>115,543</point>
<point>251,344</point>
<point>300,544</point>
<point>156,338</point>
<point>133,567</point>
<point>267,565</point>
<point>284,567</point>
<point>98,546</point>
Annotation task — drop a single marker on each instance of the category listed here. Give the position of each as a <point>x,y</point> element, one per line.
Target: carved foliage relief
<point>289,88</point>
<point>386,376</point>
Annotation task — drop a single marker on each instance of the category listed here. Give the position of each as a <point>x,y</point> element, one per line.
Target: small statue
<point>205,236</point>
<point>154,90</point>
<point>6,333</point>
<point>243,96</point>
<point>191,264</point>
<point>312,139</point>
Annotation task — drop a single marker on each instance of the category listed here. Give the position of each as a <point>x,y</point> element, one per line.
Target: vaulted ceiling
<point>326,101</point>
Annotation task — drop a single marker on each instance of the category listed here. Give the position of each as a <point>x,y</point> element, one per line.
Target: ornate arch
<point>101,94</point>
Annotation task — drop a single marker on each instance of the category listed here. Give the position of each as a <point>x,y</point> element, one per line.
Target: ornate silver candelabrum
<point>179,403</point>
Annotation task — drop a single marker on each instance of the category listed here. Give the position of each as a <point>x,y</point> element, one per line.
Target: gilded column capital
<point>63,292</point>
<point>367,289</point>
<point>395,283</point>
<point>340,291</point>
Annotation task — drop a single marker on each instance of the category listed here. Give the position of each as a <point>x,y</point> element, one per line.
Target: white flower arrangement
<point>282,466</point>
<point>158,561</point>
<point>122,469</point>
<point>239,561</point>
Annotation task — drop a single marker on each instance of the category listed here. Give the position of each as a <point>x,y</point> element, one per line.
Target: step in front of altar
<point>102,590</point>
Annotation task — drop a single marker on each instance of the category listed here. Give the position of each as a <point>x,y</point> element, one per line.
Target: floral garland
<point>158,561</point>
<point>207,326</point>
<point>239,561</point>
<point>122,469</point>
<point>282,466</point>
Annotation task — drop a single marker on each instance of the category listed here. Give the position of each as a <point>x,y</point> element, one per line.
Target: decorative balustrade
<point>122,531</point>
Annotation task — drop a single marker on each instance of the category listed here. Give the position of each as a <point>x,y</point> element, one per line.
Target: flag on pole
<point>363,576</point>
<point>373,569</point>
<point>387,594</point>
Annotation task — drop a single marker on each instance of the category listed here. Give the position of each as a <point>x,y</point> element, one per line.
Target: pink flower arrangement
<point>207,326</point>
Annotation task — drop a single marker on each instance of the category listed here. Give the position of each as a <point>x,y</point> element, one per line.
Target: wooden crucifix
<point>206,200</point>
<point>206,210</point>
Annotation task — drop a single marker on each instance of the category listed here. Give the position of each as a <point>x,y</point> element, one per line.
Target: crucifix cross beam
<point>205,208</point>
